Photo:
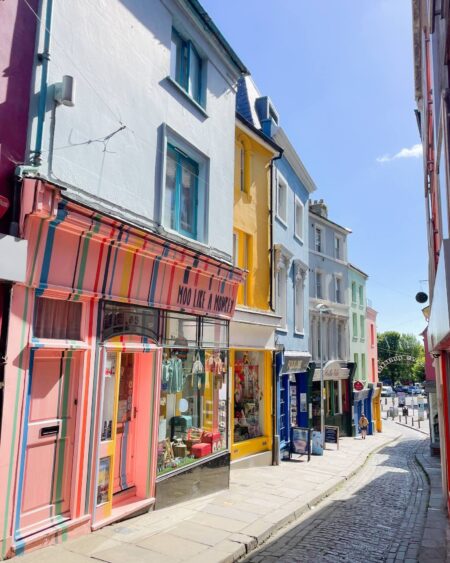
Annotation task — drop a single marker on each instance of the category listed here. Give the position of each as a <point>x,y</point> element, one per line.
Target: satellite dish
<point>421,297</point>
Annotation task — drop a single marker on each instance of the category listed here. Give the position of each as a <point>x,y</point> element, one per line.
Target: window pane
<point>181,330</point>
<point>175,53</point>
<point>318,240</point>
<point>170,189</point>
<point>214,333</point>
<point>242,168</point>
<point>282,200</point>
<point>299,220</point>
<point>188,202</point>
<point>195,69</point>
<point>249,396</point>
<point>57,319</point>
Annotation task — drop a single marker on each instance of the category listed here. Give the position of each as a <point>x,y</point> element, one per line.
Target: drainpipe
<point>5,296</point>
<point>43,58</point>
<point>271,299</point>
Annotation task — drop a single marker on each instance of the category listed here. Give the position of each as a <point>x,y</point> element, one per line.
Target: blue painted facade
<point>290,252</point>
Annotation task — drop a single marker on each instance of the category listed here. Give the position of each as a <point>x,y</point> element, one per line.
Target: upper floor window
<point>362,326</point>
<point>299,296</point>
<point>241,167</point>
<point>282,296</point>
<point>181,193</point>
<point>361,295</point>
<point>186,66</point>
<point>299,211</point>
<point>372,334</point>
<point>242,258</point>
<point>353,292</point>
<point>282,200</point>
<point>338,248</point>
<point>319,285</point>
<point>355,325</point>
<point>318,240</point>
<point>338,289</point>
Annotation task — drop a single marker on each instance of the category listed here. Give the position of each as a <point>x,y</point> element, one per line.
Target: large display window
<point>249,400</point>
<point>194,400</point>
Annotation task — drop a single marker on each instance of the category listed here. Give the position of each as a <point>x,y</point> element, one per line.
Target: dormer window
<point>186,66</point>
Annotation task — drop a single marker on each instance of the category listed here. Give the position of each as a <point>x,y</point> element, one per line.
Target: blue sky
<point>341,77</point>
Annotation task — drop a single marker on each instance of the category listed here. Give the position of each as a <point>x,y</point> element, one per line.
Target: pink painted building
<point>372,348</point>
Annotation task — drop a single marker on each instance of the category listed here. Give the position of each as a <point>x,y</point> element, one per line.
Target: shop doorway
<point>127,418</point>
<point>45,492</point>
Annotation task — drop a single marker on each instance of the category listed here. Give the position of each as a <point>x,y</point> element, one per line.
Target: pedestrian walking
<point>363,424</point>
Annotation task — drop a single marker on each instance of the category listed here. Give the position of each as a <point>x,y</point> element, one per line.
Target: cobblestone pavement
<point>378,516</point>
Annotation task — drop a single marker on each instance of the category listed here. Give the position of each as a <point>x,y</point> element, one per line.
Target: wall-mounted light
<point>65,91</point>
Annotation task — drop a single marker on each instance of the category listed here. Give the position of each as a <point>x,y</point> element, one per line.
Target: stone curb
<point>256,541</point>
<point>411,427</point>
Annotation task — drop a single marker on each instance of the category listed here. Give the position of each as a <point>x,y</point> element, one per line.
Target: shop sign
<point>333,370</point>
<point>332,435</point>
<point>358,385</point>
<point>300,441</point>
<point>295,364</point>
<point>204,300</point>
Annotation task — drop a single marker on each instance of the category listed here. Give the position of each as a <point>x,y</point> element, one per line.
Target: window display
<point>248,395</point>
<point>193,404</point>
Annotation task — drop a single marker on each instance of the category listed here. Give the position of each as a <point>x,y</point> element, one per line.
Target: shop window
<point>193,406</point>
<point>109,384</point>
<point>214,333</point>
<point>284,408</point>
<point>186,66</point>
<point>336,397</point>
<point>249,400</point>
<point>181,331</point>
<point>57,319</point>
<point>121,319</point>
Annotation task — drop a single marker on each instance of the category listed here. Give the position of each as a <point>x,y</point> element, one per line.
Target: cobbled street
<point>378,516</point>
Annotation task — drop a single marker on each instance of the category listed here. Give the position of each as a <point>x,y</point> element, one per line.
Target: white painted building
<point>147,133</point>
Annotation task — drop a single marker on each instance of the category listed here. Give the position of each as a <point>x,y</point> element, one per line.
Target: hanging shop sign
<point>333,370</point>
<point>295,364</point>
<point>358,385</point>
<point>300,441</point>
<point>332,435</point>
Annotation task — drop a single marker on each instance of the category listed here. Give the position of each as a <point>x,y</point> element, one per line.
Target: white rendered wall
<point>119,54</point>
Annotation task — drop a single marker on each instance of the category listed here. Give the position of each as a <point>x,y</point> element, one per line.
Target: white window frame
<point>338,282</point>
<point>282,213</point>
<point>300,272</point>
<point>322,287</point>
<point>318,247</point>
<point>298,205</point>
<point>338,243</point>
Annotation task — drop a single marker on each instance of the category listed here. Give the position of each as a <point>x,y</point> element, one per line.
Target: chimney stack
<point>319,208</point>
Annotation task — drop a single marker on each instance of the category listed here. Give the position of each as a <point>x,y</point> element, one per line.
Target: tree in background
<point>392,343</point>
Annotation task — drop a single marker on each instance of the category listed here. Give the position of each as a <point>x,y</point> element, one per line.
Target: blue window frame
<point>186,66</point>
<point>181,192</point>
<point>284,409</point>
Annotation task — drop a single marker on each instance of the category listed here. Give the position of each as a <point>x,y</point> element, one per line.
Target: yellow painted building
<point>253,327</point>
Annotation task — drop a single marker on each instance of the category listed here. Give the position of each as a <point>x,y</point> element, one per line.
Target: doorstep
<point>125,508</point>
<point>262,459</point>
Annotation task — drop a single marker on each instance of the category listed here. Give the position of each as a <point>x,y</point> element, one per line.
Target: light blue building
<point>291,188</point>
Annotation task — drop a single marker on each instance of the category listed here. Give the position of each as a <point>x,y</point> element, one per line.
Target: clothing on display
<point>193,404</point>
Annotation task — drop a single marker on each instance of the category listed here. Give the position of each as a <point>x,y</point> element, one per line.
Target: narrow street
<point>378,516</point>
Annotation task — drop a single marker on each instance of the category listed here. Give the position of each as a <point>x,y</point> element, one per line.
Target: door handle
<point>49,431</point>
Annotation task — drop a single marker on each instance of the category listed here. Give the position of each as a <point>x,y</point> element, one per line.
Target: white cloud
<point>414,152</point>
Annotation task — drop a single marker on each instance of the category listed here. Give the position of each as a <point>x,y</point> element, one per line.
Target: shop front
<point>338,396</point>
<point>252,423</point>
<point>362,404</point>
<point>293,392</point>
<point>118,376</point>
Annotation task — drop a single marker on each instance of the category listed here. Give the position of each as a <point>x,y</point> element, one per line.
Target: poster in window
<point>300,441</point>
<point>103,480</point>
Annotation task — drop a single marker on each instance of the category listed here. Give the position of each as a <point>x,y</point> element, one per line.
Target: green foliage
<point>391,343</point>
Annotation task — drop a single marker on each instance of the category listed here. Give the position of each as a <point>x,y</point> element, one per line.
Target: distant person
<point>363,424</point>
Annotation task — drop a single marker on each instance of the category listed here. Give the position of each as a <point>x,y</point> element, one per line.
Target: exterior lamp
<point>322,309</point>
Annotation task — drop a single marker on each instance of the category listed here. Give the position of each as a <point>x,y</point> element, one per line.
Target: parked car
<point>414,390</point>
<point>401,388</point>
<point>387,391</point>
